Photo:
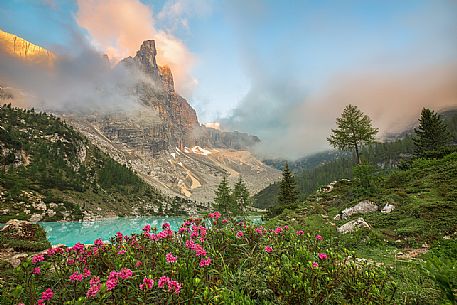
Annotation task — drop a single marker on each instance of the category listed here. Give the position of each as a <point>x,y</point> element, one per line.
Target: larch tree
<point>353,131</point>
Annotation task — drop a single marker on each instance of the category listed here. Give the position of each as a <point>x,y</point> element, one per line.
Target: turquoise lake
<point>70,233</point>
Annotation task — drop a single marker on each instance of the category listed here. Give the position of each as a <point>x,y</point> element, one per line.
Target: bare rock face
<point>18,47</point>
<point>353,225</point>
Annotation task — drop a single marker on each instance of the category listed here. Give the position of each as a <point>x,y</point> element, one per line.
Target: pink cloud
<point>118,27</point>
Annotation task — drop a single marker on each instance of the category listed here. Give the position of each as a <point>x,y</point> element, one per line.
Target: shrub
<point>229,263</point>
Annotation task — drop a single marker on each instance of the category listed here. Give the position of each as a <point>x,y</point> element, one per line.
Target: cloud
<point>118,27</point>
<point>292,123</point>
<point>302,77</point>
<point>81,82</point>
<point>175,14</point>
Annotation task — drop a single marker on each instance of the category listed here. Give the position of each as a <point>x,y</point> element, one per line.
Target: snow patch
<point>173,155</point>
<point>200,151</point>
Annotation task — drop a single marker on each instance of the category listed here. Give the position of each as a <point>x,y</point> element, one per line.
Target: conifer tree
<point>353,131</point>
<point>224,199</point>
<point>432,133</point>
<point>288,188</point>
<point>241,195</point>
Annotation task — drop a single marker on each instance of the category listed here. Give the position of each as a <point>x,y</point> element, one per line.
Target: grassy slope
<point>43,160</point>
<point>426,213</point>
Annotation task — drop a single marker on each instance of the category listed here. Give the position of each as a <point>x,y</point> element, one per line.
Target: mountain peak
<point>146,59</point>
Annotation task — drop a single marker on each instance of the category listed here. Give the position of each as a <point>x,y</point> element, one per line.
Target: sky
<point>282,70</point>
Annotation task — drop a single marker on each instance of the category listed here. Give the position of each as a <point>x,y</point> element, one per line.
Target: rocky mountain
<point>18,47</point>
<point>162,140</point>
<point>50,172</point>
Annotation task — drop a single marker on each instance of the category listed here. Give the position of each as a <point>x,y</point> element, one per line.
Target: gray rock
<point>353,225</point>
<point>388,208</point>
<point>362,207</point>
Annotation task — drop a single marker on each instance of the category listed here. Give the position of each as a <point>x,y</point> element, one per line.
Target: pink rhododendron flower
<point>224,221</point>
<point>268,249</point>
<point>98,242</point>
<point>36,270</point>
<point>121,252</point>
<point>286,227</point>
<point>78,247</point>
<point>37,258</point>
<point>47,294</point>
<point>86,272</point>
<point>162,281</point>
<point>205,262</point>
<point>300,232</point>
<point>315,265</point>
<point>125,273</point>
<point>111,283</point>
<point>147,283</point>
<point>239,234</point>
<point>166,226</point>
<point>76,277</point>
<point>170,258</point>
<point>322,256</point>
<point>318,237</point>
<point>95,280</point>
<point>119,236</point>
<point>40,302</point>
<point>199,251</point>
<point>278,230</point>
<point>147,228</point>
<point>259,230</point>
<point>174,286</point>
<point>138,264</point>
<point>93,290</point>
<point>182,230</point>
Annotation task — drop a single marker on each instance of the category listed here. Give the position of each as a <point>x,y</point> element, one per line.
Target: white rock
<point>362,207</point>
<point>353,225</point>
<point>388,208</point>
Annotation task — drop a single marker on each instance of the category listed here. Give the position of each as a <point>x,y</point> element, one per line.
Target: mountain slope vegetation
<point>416,240</point>
<point>49,171</point>
<point>320,169</point>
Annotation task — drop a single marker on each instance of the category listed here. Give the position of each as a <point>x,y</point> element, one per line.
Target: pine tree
<point>353,131</point>
<point>288,188</point>
<point>241,195</point>
<point>224,199</point>
<point>432,133</point>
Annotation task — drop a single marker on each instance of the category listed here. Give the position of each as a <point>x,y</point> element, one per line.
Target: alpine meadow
<point>228,152</point>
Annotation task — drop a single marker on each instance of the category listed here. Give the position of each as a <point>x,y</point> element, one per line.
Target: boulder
<point>362,207</point>
<point>353,225</point>
<point>387,208</point>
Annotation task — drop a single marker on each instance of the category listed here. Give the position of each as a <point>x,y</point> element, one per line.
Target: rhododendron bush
<point>207,261</point>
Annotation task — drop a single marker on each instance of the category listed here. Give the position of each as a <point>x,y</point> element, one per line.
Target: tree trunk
<point>357,154</point>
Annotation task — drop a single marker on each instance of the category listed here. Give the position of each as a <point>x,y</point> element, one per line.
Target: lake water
<point>70,233</point>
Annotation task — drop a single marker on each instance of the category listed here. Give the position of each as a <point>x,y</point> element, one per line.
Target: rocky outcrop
<point>388,208</point>
<point>353,225</point>
<point>362,207</point>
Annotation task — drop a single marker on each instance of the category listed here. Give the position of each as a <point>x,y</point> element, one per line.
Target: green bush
<point>231,263</point>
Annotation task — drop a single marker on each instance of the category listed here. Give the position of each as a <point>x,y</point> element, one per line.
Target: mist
<point>81,81</point>
<point>298,89</point>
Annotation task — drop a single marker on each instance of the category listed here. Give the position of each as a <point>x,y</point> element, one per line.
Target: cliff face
<point>16,46</point>
<point>161,139</point>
